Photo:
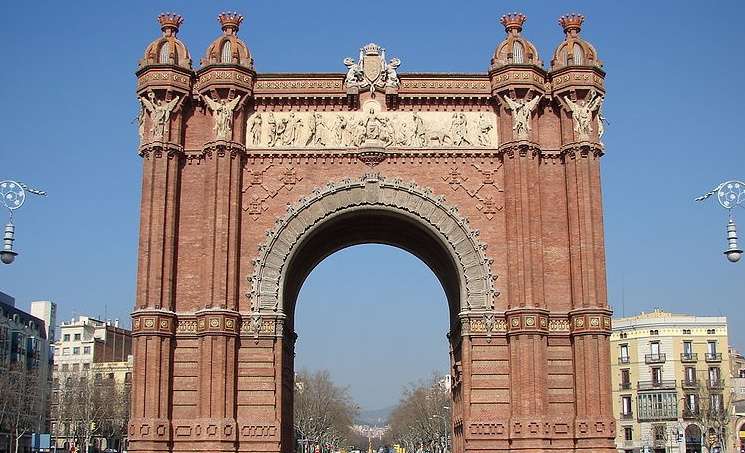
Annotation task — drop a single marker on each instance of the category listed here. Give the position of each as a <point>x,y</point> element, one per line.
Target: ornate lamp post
<point>12,196</point>
<point>730,195</point>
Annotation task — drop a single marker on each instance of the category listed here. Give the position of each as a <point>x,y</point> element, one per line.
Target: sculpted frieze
<point>370,125</point>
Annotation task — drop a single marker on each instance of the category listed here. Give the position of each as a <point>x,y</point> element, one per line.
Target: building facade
<point>24,348</point>
<point>251,178</point>
<point>93,368</point>
<point>737,371</point>
<point>667,370</point>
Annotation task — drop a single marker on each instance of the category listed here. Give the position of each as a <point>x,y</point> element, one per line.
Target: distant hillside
<point>376,416</point>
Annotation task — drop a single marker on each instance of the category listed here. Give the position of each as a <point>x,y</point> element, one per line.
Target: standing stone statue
<point>340,130</point>
<point>272,123</point>
<point>292,129</point>
<point>485,126</point>
<point>420,131</point>
<point>582,114</point>
<point>255,129</point>
<point>459,129</point>
<point>521,111</point>
<point>141,122</point>
<point>222,112</point>
<point>160,115</point>
<point>315,136</point>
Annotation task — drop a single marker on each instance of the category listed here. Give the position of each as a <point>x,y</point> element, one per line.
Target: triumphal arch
<point>250,179</point>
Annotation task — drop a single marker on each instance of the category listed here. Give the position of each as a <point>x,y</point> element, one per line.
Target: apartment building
<point>666,369</point>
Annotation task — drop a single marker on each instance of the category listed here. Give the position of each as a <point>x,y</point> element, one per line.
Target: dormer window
<point>518,53</point>
<point>226,53</point>
<point>579,54</point>
<point>165,51</point>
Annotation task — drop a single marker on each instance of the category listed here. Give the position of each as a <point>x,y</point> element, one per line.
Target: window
<point>656,375</point>
<point>625,379</point>
<point>626,405</point>
<point>77,337</point>
<point>128,377</point>
<point>579,54</point>
<point>690,374</point>
<point>226,53</point>
<point>65,351</point>
<point>76,351</point>
<point>711,347</point>
<point>624,335</point>
<point>659,432</point>
<point>110,376</point>
<point>691,403</point>
<point>86,349</point>
<point>628,433</point>
<point>714,375</point>
<point>624,353</point>
<point>687,348</point>
<point>165,49</point>
<point>654,348</point>
<point>66,337</point>
<point>716,402</point>
<point>65,367</point>
<point>75,367</point>
<point>711,331</point>
<point>517,52</point>
<point>654,332</point>
<point>686,331</point>
<point>86,366</point>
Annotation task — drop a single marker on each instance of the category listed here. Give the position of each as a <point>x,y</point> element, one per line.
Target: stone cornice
<point>158,148</point>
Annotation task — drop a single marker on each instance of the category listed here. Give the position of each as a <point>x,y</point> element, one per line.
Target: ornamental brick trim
<point>476,277</point>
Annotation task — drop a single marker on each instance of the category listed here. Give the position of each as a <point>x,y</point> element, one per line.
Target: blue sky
<point>674,103</point>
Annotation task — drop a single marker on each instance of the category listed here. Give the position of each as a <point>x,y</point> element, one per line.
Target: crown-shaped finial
<point>230,21</point>
<point>513,21</point>
<point>571,22</point>
<point>372,49</point>
<point>170,22</point>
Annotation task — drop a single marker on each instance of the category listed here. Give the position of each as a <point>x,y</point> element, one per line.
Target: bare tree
<point>711,409</point>
<point>324,412</point>
<point>23,404</point>
<point>422,418</point>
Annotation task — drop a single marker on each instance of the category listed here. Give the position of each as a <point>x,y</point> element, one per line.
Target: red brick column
<point>154,319</point>
<point>590,318</point>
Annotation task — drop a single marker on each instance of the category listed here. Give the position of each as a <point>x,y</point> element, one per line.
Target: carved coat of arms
<point>371,70</point>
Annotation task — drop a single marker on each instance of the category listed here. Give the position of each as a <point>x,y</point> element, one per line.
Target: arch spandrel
<point>476,280</point>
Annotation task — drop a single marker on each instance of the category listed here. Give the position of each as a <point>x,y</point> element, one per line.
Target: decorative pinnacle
<point>571,22</point>
<point>170,22</point>
<point>230,21</point>
<point>513,21</point>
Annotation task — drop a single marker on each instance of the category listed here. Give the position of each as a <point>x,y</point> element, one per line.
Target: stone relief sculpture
<point>255,129</point>
<point>484,127</point>
<point>222,113</point>
<point>601,123</point>
<point>371,70</point>
<point>160,115</point>
<point>521,111</point>
<point>372,126</point>
<point>141,122</point>
<point>582,113</point>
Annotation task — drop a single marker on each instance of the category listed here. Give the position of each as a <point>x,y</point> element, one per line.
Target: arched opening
<point>578,54</point>
<point>164,56</point>
<point>518,53</point>
<point>225,53</point>
<point>693,439</point>
<point>346,233</point>
<point>373,210</point>
<point>375,317</point>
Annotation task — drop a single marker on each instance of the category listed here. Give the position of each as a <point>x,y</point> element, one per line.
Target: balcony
<point>715,384</point>
<point>713,357</point>
<point>689,414</point>
<point>657,416</point>
<point>628,416</point>
<point>624,360</point>
<point>656,385</point>
<point>624,386</point>
<point>688,384</point>
<point>654,358</point>
<point>688,357</point>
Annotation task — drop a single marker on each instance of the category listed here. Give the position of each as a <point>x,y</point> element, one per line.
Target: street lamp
<point>12,196</point>
<point>730,195</point>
